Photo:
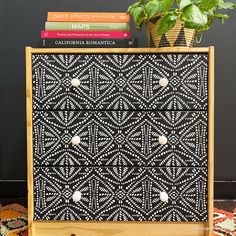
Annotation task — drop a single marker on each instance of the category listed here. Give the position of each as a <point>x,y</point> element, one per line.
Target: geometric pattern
<point>178,36</point>
<point>120,138</point>
<point>13,220</point>
<point>120,81</point>
<point>224,223</point>
<point>120,193</point>
<point>119,111</point>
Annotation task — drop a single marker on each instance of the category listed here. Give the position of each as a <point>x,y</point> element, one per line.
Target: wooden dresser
<point>120,141</point>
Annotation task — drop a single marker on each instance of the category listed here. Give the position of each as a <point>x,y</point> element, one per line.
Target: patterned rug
<point>224,223</point>
<point>14,221</point>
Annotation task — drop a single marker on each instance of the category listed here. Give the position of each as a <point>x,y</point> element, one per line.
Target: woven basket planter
<point>178,36</point>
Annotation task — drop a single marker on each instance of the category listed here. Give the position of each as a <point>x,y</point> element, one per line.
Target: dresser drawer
<point>120,81</point>
<point>120,193</point>
<point>120,138</point>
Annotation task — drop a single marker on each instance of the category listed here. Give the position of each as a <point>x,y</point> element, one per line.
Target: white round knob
<point>163,82</point>
<point>162,140</point>
<point>75,140</point>
<point>75,82</point>
<point>76,196</point>
<point>164,197</point>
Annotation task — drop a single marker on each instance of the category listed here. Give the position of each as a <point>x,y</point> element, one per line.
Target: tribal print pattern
<point>120,193</point>
<point>119,110</point>
<point>120,81</point>
<point>120,138</point>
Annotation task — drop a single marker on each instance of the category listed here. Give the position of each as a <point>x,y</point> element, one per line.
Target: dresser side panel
<point>29,139</point>
<point>211,134</point>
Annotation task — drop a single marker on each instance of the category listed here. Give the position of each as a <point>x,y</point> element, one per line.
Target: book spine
<point>86,43</point>
<point>84,34</point>
<point>88,16</point>
<point>87,26</point>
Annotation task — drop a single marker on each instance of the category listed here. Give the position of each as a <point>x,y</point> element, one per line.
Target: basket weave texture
<point>178,36</point>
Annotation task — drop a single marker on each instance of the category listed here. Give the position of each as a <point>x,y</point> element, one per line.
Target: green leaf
<point>132,7</point>
<point>222,17</point>
<point>208,24</point>
<point>184,3</point>
<point>166,4</point>
<point>212,11</point>
<point>193,17</point>
<point>206,5</point>
<point>139,17</point>
<point>153,8</point>
<point>197,1</point>
<point>166,23</point>
<point>226,5</point>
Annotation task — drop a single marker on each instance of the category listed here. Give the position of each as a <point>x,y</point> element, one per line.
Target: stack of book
<point>87,29</point>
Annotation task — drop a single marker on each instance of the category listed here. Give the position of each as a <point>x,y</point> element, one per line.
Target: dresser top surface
<point>122,50</point>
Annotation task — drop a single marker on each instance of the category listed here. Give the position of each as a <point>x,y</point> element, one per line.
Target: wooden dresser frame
<point>87,228</point>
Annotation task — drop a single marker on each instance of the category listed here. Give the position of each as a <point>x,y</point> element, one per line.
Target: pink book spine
<point>84,34</point>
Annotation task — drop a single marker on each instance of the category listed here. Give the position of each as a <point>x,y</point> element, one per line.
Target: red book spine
<point>84,34</point>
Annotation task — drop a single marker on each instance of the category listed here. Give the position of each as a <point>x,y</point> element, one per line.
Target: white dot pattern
<point>119,111</point>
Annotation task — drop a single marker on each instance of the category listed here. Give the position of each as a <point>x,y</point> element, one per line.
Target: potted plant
<point>177,22</point>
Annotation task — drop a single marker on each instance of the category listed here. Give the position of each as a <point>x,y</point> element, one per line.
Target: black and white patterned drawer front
<point>120,194</point>
<point>120,81</point>
<point>120,138</point>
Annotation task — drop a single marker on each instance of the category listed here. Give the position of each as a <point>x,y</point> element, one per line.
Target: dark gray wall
<point>20,25</point>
